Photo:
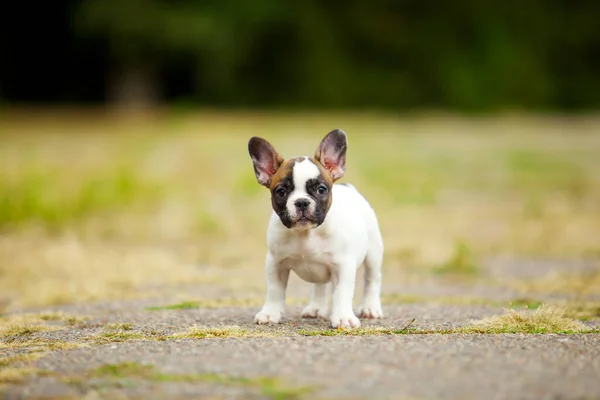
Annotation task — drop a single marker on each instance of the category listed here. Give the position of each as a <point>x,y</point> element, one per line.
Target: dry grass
<point>116,208</point>
<point>23,325</point>
<point>545,319</point>
<point>115,334</point>
<point>24,330</point>
<point>198,332</point>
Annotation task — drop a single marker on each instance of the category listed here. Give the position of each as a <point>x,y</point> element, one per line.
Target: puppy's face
<point>301,186</point>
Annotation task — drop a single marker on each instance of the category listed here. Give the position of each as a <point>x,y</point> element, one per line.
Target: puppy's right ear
<point>265,159</point>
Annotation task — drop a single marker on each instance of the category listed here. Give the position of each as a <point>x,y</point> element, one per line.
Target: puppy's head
<point>301,186</point>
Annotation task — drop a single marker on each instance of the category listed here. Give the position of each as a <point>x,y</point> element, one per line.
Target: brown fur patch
<point>284,170</point>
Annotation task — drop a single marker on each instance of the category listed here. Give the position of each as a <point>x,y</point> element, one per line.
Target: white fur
<point>303,171</point>
<point>332,252</point>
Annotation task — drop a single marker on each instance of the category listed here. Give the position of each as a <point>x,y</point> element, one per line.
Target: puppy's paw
<point>265,317</point>
<point>370,310</point>
<point>345,321</point>
<point>315,311</point>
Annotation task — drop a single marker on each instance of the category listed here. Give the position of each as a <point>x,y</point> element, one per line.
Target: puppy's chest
<point>311,258</point>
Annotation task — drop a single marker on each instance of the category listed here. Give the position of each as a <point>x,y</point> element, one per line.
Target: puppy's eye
<point>280,192</point>
<point>322,189</point>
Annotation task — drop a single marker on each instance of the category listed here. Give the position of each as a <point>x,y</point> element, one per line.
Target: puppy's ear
<point>332,153</point>
<point>265,159</point>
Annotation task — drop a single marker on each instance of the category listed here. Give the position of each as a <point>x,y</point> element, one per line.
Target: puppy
<point>321,230</point>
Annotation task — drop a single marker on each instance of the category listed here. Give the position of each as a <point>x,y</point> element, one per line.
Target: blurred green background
<point>398,55</point>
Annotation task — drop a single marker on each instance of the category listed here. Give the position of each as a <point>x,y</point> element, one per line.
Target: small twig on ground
<point>408,326</point>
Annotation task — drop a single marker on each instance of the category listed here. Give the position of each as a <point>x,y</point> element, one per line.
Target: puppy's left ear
<point>332,153</point>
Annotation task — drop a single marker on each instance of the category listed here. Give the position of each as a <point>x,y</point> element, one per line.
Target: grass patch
<point>121,373</point>
<point>123,332</point>
<point>13,332</point>
<point>40,345</point>
<point>119,335</point>
<point>124,326</point>
<point>16,329</point>
<point>545,319</point>
<point>124,370</point>
<point>273,388</point>
<point>197,332</point>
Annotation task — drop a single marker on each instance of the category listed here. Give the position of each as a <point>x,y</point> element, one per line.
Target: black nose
<point>302,204</point>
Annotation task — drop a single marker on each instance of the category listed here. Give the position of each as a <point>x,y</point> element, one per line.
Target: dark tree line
<point>467,54</point>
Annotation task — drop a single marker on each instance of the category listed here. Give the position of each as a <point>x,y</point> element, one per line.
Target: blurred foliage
<point>467,55</point>
<point>44,197</point>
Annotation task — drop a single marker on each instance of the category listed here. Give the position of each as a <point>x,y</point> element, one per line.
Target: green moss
<point>186,305</point>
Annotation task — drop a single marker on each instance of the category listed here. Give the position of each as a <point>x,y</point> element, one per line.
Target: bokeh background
<point>467,55</point>
<point>473,131</point>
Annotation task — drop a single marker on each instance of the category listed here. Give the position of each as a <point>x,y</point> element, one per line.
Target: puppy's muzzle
<point>304,213</point>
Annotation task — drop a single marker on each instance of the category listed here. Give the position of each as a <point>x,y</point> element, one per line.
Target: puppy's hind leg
<point>319,302</point>
<point>371,303</point>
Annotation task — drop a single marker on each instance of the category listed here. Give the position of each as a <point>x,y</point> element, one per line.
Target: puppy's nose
<point>302,204</point>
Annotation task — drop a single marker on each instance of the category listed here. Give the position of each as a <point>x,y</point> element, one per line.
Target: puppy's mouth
<point>304,221</point>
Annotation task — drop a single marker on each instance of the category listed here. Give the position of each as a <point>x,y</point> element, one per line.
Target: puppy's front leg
<point>343,280</point>
<point>277,279</point>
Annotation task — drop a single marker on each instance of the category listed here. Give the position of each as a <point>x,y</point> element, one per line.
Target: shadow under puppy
<point>320,230</point>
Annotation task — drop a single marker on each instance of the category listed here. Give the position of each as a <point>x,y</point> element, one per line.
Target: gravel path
<point>284,363</point>
<point>456,366</point>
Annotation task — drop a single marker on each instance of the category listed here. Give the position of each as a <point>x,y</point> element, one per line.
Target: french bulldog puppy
<point>322,230</point>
